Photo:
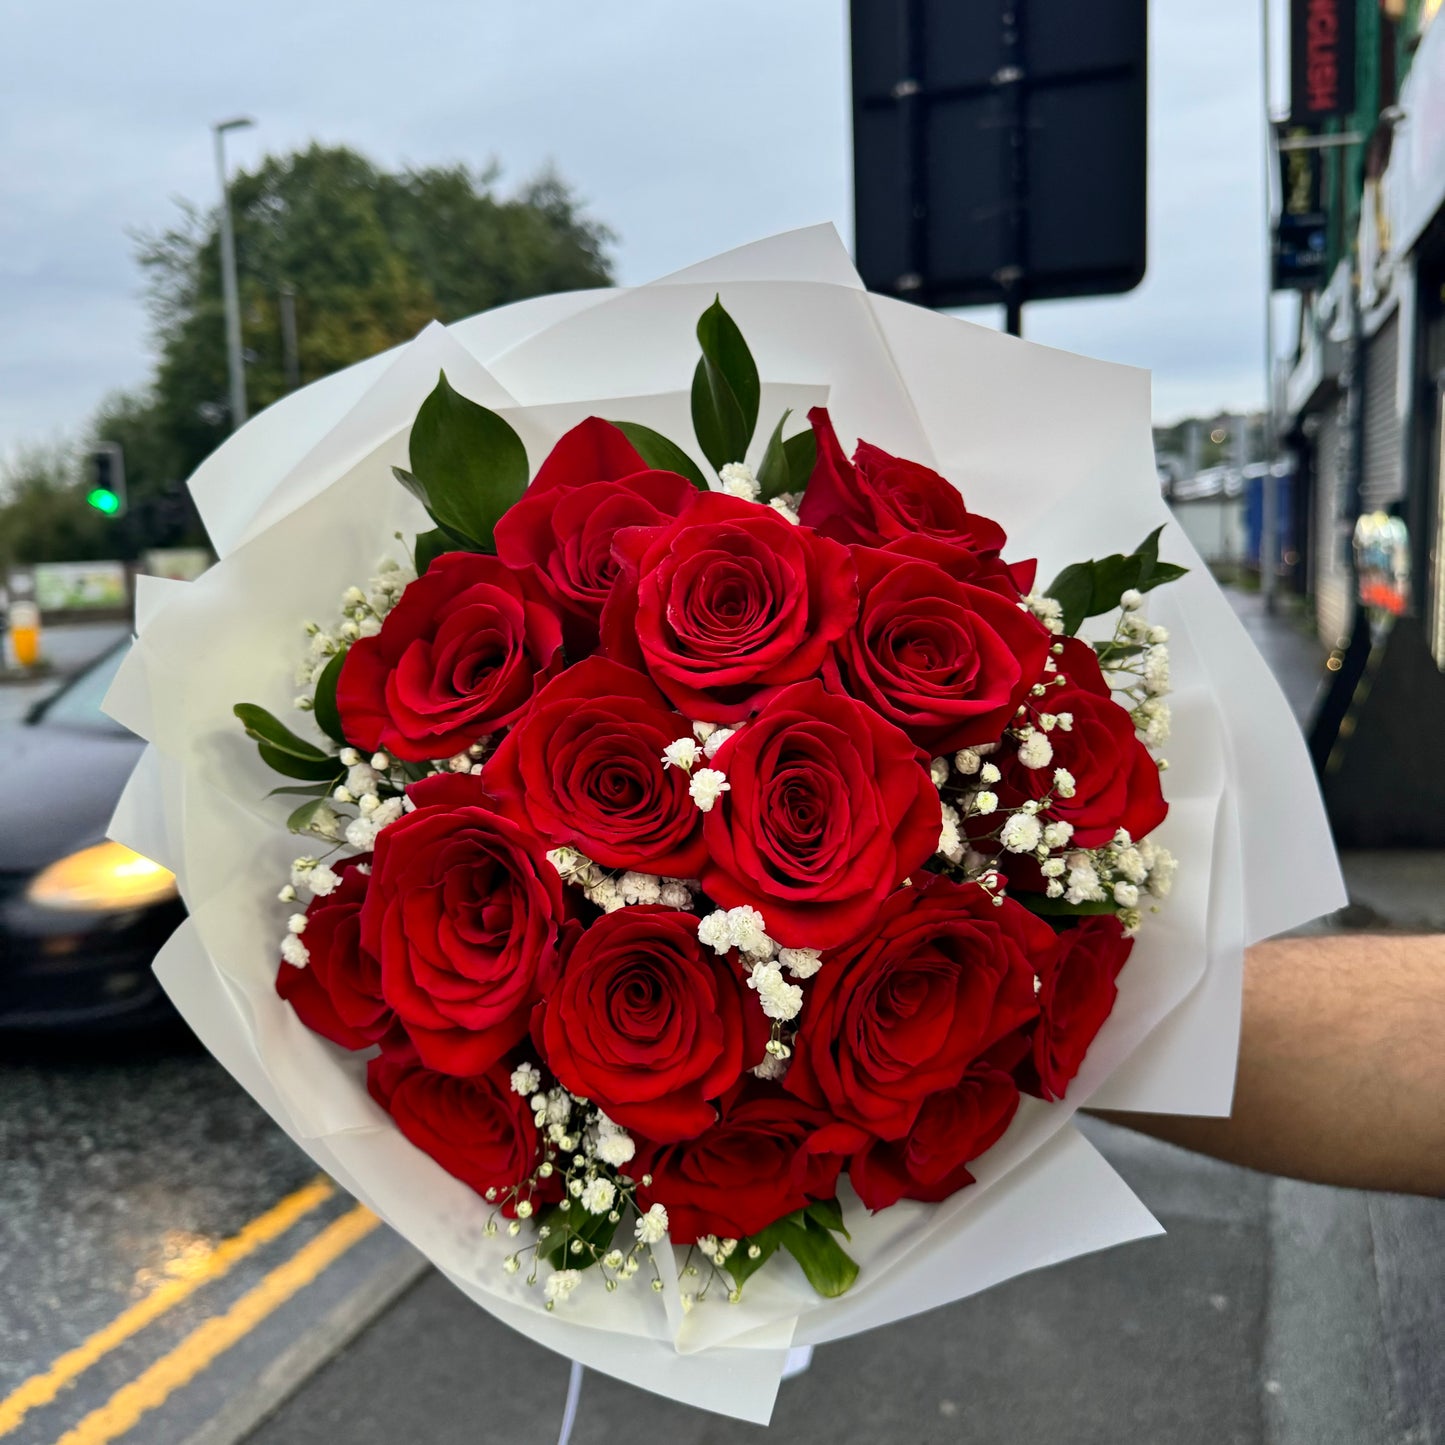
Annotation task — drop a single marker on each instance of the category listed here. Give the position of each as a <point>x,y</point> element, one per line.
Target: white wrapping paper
<point>300,504</point>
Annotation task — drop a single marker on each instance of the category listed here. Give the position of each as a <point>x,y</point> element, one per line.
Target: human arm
<point>1341,1066</point>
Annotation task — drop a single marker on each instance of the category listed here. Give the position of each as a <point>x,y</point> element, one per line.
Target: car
<point>81,918</point>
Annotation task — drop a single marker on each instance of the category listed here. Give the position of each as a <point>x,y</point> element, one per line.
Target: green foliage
<point>661,453</point>
<point>787,463</point>
<point>725,389</point>
<point>325,711</point>
<point>1088,589</point>
<point>468,465</point>
<point>43,512</point>
<point>280,748</point>
<point>807,1235</point>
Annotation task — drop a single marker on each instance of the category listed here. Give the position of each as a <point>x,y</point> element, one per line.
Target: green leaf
<point>595,1230</point>
<point>767,1241</point>
<point>828,1267</point>
<point>467,464</point>
<point>318,769</point>
<point>661,453</point>
<point>431,545</point>
<point>328,718</point>
<point>1089,589</point>
<point>263,728</point>
<point>1047,907</point>
<point>725,389</point>
<point>828,1213</point>
<point>802,451</point>
<point>311,790</point>
<point>774,471</point>
<point>300,820</point>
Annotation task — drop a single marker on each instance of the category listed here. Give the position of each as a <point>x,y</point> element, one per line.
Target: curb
<point>286,1374</point>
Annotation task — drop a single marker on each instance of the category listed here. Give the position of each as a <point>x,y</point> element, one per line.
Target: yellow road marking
<point>152,1387</point>
<point>41,1389</point>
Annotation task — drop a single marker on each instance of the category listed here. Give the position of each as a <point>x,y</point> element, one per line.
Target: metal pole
<point>1012,76</point>
<point>1269,497</point>
<point>231,291</point>
<point>288,338</point>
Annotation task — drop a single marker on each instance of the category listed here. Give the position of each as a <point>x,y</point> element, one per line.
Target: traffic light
<point>107,479</point>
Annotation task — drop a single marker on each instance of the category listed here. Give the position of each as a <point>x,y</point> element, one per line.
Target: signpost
<point>1322,59</point>
<point>999,149</point>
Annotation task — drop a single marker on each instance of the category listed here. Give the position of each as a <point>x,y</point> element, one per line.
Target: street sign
<point>999,148</point>
<point>1301,230</point>
<point>1321,59</point>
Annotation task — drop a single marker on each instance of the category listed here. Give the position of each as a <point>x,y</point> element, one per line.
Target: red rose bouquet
<point>724,857</point>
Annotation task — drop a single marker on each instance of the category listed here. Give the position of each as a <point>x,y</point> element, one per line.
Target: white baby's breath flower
<point>1158,634</point>
<point>616,1148</point>
<point>786,509</point>
<point>651,1228</point>
<point>598,1195</point>
<point>770,1067</point>
<point>738,481</point>
<point>1057,835</point>
<point>716,740</point>
<point>560,1283</point>
<point>294,951</point>
<point>1132,600</point>
<point>1053,867</point>
<point>674,895</point>
<point>780,999</point>
<point>704,730</point>
<point>526,1079</point>
<point>682,753</point>
<point>800,962</point>
<point>706,786</point>
<point>1021,833</point>
<point>968,761</point>
<point>1065,785</point>
<point>748,932</point>
<point>1126,895</point>
<point>715,931</point>
<point>989,773</point>
<point>938,771</point>
<point>985,803</point>
<point>1035,750</point>
<point>1161,872</point>
<point>1066,722</point>
<point>639,888</point>
<point>322,881</point>
<point>1130,863</point>
<point>296,923</point>
<point>950,838</point>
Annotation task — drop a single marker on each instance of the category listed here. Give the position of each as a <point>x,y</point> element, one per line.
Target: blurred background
<point>201,211</point>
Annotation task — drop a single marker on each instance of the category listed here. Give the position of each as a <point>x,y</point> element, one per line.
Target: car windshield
<point>77,705</point>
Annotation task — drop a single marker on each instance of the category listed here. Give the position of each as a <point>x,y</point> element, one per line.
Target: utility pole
<point>289,348</point>
<point>235,362</point>
<point>1269,494</point>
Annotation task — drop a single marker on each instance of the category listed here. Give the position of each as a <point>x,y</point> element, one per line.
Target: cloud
<point>688,128</point>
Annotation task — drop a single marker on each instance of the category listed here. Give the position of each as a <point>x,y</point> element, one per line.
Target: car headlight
<point>107,878</point>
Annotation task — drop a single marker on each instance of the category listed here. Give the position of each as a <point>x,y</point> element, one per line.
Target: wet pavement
<point>67,649</point>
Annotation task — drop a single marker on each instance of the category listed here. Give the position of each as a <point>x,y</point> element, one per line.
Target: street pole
<point>1269,494</point>
<point>289,350</point>
<point>231,291</point>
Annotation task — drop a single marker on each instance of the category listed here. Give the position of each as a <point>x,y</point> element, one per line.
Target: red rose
<point>338,993</point>
<point>1009,580</point>
<point>946,662</point>
<point>592,485</point>
<point>584,768</point>
<point>1116,780</point>
<point>726,603</point>
<point>476,1128</point>
<point>879,497</point>
<point>647,1023</point>
<point>828,810</point>
<point>463,913</point>
<point>899,1014</point>
<point>460,655</point>
<point>767,1156</point>
<point>953,1127</point>
<point>1077,990</point>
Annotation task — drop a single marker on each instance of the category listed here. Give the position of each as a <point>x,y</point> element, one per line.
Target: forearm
<point>1341,1066</point>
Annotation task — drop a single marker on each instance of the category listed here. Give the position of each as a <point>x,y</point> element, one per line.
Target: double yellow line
<point>210,1338</point>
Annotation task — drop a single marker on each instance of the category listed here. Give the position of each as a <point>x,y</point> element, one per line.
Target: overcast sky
<point>688,127</point>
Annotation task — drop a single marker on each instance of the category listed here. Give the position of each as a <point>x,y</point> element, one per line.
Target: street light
<point>228,274</point>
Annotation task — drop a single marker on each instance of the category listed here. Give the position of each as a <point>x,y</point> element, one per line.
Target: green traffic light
<point>104,501</point>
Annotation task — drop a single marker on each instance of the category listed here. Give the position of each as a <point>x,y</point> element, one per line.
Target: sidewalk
<point>1294,654</point>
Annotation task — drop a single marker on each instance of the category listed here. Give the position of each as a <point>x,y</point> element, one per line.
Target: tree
<point>369,257</point>
<point>43,513</point>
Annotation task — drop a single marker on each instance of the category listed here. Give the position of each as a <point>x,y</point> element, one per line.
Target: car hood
<point>61,787</point>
